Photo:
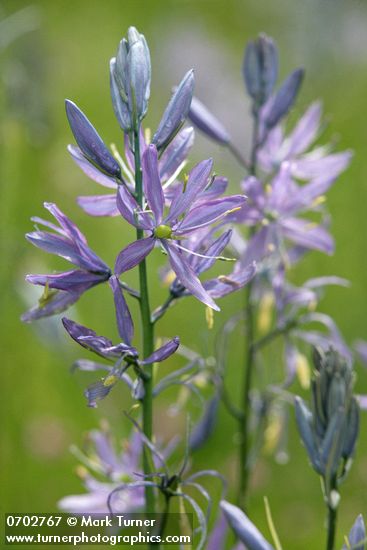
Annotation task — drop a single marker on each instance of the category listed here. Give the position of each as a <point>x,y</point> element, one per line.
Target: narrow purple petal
<point>197,181</point>
<point>86,337</point>
<point>222,286</point>
<point>71,230</point>
<point>90,170</point>
<point>123,317</point>
<point>304,233</point>
<point>90,141</point>
<point>312,166</point>
<point>207,122</point>
<point>133,254</point>
<point>162,353</point>
<point>152,183</point>
<point>55,244</point>
<point>99,205</point>
<point>72,281</point>
<point>318,282</point>
<point>305,131</point>
<point>97,391</point>
<point>56,303</point>
<point>216,188</point>
<point>175,153</point>
<point>131,211</point>
<point>209,212</point>
<point>187,276</point>
<point>203,264</point>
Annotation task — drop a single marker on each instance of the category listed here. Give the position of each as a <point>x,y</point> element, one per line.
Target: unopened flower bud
<point>260,68</point>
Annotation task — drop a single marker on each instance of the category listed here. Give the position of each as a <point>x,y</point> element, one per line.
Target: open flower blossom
<point>102,460</point>
<point>68,242</point>
<point>304,165</point>
<point>275,208</point>
<point>122,355</point>
<point>184,217</point>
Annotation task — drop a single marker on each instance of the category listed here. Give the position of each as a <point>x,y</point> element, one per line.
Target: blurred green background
<point>62,50</point>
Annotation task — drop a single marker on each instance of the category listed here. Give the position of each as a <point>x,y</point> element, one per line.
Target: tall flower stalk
<point>147,329</point>
<point>282,180</point>
<point>181,214</point>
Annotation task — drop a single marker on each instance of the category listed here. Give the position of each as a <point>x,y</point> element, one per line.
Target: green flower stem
<point>244,422</point>
<point>148,334</point>
<point>331,518</point>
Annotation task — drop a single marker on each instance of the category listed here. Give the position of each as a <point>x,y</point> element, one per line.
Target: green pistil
<point>163,232</point>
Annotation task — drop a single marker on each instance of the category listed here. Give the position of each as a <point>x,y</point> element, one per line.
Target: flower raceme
<point>187,213</point>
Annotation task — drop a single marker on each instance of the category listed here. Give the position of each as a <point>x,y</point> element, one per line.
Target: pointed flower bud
<point>284,98</point>
<point>90,142</point>
<point>207,122</point>
<point>329,429</point>
<point>130,80</point>
<point>260,68</point>
<point>244,529</point>
<point>357,535</point>
<point>176,111</point>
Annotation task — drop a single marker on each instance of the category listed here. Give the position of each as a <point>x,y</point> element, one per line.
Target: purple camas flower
<point>114,467</point>
<point>275,209</point>
<point>122,355</point>
<point>184,216</point>
<point>68,242</point>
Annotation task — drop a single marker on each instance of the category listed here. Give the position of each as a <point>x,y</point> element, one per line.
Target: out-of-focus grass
<point>42,405</point>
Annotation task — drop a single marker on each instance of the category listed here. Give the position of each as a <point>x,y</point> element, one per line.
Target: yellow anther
<point>46,295</point>
<point>303,371</point>
<point>209,316</point>
<point>110,380</point>
<point>319,200</point>
<point>81,471</point>
<point>147,135</point>
<point>272,433</point>
<point>265,312</point>
<point>169,278</point>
